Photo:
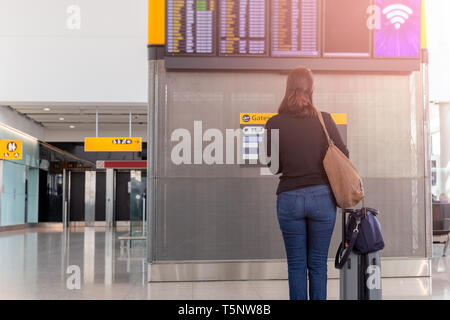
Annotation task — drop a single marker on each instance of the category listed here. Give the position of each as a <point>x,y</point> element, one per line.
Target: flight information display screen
<point>399,33</point>
<point>243,27</point>
<point>295,27</point>
<point>346,33</point>
<point>190,27</point>
<point>329,35</point>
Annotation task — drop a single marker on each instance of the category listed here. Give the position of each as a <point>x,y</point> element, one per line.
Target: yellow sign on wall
<point>339,118</point>
<point>262,118</point>
<point>11,149</point>
<point>256,118</point>
<point>114,144</point>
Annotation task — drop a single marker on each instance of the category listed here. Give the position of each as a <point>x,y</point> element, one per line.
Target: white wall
<point>51,54</point>
<point>438,26</point>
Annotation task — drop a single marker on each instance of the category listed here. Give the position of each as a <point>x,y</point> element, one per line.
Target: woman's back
<point>306,207</point>
<point>302,147</point>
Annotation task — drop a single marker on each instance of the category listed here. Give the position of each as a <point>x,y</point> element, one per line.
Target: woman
<point>306,207</point>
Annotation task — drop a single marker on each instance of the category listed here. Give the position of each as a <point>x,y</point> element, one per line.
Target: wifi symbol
<point>397,14</point>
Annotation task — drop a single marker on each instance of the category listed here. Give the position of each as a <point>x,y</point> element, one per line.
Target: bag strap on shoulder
<point>322,122</point>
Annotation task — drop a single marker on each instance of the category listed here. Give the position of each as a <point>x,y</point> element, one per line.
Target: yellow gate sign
<point>113,144</point>
<point>262,118</point>
<point>256,118</point>
<point>11,149</point>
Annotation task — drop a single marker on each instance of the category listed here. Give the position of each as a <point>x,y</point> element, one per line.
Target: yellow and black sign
<point>11,149</point>
<point>262,118</point>
<point>115,144</point>
<point>256,118</point>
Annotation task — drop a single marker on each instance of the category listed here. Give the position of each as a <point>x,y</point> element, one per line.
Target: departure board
<point>295,27</point>
<point>280,35</point>
<point>243,27</point>
<point>190,27</point>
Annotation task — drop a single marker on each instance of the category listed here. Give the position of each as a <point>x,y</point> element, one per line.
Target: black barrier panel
<point>100,196</point>
<point>77,193</point>
<point>122,210</point>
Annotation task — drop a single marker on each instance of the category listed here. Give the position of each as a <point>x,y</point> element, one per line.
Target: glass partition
<point>440,174</point>
<point>138,187</point>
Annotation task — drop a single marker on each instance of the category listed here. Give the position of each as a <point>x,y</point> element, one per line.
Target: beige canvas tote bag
<point>343,176</point>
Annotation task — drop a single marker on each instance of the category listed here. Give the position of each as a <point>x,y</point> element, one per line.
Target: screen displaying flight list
<point>295,27</point>
<point>315,29</point>
<point>243,27</point>
<point>190,26</point>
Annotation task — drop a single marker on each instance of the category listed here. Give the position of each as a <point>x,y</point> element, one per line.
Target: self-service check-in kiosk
<point>253,135</point>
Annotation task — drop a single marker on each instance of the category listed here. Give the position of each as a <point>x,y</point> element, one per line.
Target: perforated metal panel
<point>227,212</point>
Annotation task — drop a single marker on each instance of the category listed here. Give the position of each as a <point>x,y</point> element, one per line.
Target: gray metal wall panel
<point>217,219</point>
<point>228,212</point>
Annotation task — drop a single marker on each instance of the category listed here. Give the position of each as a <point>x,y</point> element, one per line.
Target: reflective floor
<point>34,264</point>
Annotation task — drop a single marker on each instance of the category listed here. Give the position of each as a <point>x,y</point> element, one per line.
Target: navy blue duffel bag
<point>363,235</point>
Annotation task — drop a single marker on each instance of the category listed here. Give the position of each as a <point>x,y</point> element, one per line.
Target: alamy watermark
<point>73,281</point>
<point>373,277</point>
<point>223,147</point>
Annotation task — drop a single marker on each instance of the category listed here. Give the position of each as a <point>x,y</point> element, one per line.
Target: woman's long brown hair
<point>298,100</point>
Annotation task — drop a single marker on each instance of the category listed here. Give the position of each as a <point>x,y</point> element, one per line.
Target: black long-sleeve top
<point>302,147</point>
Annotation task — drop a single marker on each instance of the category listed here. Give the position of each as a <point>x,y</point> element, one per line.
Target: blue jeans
<point>307,217</point>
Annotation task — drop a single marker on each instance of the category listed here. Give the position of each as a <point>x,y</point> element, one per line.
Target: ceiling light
<point>46,109</point>
<point>71,126</point>
<point>61,118</point>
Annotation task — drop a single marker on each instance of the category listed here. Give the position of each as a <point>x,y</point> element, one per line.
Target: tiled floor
<point>33,265</point>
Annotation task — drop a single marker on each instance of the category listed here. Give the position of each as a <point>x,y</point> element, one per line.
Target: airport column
<point>427,132</point>
<point>110,189</point>
<point>156,39</point>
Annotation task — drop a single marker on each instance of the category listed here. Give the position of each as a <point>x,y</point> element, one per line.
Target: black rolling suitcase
<point>360,274</point>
